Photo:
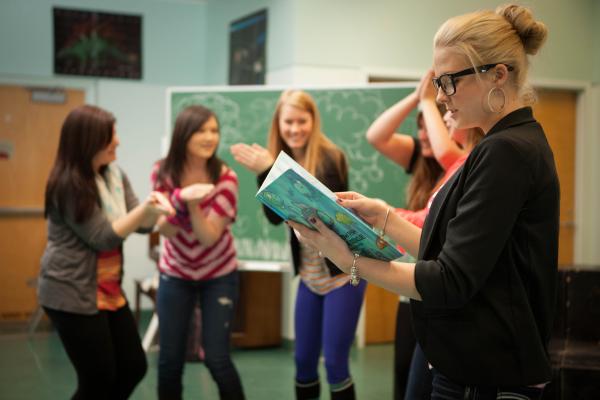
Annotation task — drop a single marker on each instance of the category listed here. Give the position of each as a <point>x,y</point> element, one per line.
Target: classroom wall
<point>396,36</point>
<point>174,42</point>
<point>280,34</point>
<point>173,37</point>
<point>593,235</point>
<point>329,42</point>
<point>596,39</point>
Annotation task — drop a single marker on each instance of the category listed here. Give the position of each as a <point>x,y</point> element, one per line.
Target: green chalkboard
<point>245,115</point>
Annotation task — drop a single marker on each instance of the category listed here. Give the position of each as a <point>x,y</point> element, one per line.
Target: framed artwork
<point>100,44</point>
<point>247,49</point>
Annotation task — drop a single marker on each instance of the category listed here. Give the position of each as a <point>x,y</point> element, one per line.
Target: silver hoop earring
<point>489,99</point>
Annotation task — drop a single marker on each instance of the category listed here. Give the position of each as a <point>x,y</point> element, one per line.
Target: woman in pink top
<point>198,258</point>
<point>465,139</point>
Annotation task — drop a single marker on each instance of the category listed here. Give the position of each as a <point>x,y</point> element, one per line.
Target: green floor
<point>37,368</point>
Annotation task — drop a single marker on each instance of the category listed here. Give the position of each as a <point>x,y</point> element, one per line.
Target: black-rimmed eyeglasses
<point>446,81</point>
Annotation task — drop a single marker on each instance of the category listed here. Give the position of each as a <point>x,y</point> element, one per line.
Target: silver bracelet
<point>354,277</point>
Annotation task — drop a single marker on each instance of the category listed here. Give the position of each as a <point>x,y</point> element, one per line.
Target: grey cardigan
<point>67,280</point>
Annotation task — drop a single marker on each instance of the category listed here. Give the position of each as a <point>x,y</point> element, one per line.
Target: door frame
<point>88,86</point>
<point>587,168</point>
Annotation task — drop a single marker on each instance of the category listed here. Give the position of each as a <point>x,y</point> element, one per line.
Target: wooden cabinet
<point>257,321</point>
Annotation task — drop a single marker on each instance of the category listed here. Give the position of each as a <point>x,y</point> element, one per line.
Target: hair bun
<point>531,32</point>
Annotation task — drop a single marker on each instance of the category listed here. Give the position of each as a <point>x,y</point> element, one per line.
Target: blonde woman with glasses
<point>483,287</point>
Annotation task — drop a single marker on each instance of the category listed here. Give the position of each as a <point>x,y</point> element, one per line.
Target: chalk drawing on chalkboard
<point>353,112</point>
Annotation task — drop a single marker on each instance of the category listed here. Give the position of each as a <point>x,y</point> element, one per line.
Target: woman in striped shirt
<point>327,306</point>
<point>198,258</point>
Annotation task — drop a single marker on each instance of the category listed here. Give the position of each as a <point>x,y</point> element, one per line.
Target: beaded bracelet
<point>354,277</point>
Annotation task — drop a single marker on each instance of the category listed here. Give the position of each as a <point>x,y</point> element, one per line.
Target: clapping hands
<point>159,204</point>
<point>196,192</point>
<point>253,157</point>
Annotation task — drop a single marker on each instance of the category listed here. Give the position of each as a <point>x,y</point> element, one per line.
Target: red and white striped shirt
<point>183,256</point>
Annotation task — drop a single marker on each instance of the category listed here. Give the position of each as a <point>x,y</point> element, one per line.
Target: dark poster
<point>247,49</point>
<point>97,44</point>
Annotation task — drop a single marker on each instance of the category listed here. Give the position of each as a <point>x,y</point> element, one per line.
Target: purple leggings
<point>327,321</point>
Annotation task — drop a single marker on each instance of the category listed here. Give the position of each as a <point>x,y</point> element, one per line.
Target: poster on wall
<point>100,44</point>
<point>247,49</point>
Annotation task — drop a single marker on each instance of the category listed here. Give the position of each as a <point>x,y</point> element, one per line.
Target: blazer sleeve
<point>336,180</point>
<point>496,186</point>
<point>336,175</point>
<point>272,216</point>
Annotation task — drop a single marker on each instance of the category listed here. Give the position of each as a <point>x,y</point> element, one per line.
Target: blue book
<point>294,194</point>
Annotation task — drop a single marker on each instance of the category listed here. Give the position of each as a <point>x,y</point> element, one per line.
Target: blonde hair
<point>506,35</point>
<point>318,145</point>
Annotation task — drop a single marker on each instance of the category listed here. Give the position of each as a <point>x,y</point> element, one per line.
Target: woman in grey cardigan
<point>91,209</point>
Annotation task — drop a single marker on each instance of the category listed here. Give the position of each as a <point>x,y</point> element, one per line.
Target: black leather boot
<point>308,390</point>
<point>343,390</point>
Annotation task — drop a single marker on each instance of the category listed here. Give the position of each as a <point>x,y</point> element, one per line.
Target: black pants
<point>404,344</point>
<point>105,350</point>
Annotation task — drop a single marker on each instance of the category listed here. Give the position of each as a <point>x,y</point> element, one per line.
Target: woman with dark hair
<point>327,305</point>
<point>91,209</point>
<point>415,155</point>
<point>198,260</point>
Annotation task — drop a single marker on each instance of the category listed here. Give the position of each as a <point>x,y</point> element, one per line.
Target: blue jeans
<point>175,304</point>
<point>419,377</point>
<point>445,389</point>
<point>329,322</point>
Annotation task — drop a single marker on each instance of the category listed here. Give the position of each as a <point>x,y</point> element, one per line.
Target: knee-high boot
<point>343,390</point>
<point>308,390</point>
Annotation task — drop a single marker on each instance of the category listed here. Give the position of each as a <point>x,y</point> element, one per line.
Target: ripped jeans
<point>175,304</point>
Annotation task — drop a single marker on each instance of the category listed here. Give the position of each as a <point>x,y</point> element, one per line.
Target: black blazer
<point>487,261</point>
<point>335,178</point>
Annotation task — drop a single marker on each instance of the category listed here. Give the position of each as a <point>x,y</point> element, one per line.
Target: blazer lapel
<point>433,220</point>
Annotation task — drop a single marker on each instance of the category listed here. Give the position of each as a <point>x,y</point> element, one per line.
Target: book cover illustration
<point>294,194</point>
